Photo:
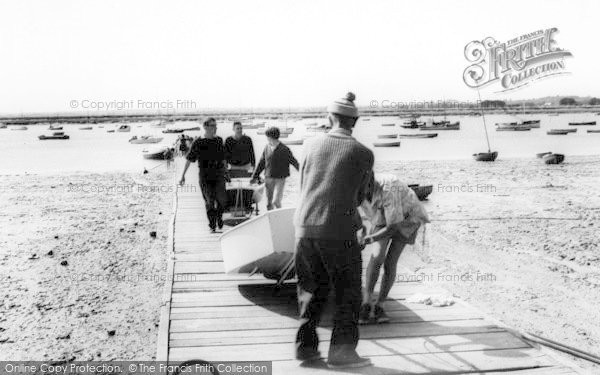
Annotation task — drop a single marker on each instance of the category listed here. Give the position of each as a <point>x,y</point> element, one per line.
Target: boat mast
<point>483,117</point>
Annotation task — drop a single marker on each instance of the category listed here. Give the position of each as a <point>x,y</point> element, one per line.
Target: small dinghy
<point>55,127</point>
<point>427,135</point>
<point>553,158</point>
<point>412,124</point>
<point>388,124</point>
<point>110,131</point>
<point>19,128</point>
<point>593,131</point>
<point>319,128</point>
<point>443,125</point>
<point>124,129</point>
<point>85,128</point>
<point>158,153</point>
<point>144,139</point>
<point>386,144</point>
<point>293,142</point>
<point>542,154</point>
<point>3,126</point>
<point>264,244</point>
<point>387,136</point>
<point>532,123</point>
<point>172,131</point>
<point>422,191</point>
<point>582,123</point>
<point>55,135</point>
<point>558,132</point>
<point>486,156</point>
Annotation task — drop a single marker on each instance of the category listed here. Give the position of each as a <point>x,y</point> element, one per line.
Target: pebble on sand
<point>153,234</point>
<point>64,263</point>
<point>112,332</point>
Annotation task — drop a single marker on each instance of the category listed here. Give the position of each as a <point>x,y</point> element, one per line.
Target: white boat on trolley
<point>264,244</point>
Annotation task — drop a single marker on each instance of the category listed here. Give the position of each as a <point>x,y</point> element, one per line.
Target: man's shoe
<point>307,355</point>
<point>348,361</point>
<point>364,316</point>
<point>380,315</point>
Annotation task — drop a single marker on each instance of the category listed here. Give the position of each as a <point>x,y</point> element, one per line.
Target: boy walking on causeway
<point>335,170</point>
<point>275,161</point>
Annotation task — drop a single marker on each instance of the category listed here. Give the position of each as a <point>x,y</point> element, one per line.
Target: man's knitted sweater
<point>334,172</point>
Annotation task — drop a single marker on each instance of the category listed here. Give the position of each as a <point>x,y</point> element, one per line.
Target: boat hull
<point>386,144</point>
<point>554,158</point>
<point>591,123</point>
<point>53,137</point>
<point>486,156</point>
<point>428,135</point>
<point>387,136</point>
<point>264,244</point>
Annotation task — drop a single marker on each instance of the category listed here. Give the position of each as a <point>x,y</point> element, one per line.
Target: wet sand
<point>81,276</point>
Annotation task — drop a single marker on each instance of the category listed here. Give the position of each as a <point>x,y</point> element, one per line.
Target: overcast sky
<point>272,53</point>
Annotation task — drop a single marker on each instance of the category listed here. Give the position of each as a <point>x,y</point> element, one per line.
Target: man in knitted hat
<point>334,174</point>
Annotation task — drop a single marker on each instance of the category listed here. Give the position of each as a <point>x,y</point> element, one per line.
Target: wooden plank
<point>198,267</point>
<point>369,348</point>
<point>282,335</point>
<point>220,312</point>
<point>199,257</point>
<point>427,363</point>
<point>276,321</point>
<point>417,329</point>
<point>438,363</point>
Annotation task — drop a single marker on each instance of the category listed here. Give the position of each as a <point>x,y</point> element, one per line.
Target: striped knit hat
<point>344,106</point>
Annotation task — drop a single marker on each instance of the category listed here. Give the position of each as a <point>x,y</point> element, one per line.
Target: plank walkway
<point>216,317</point>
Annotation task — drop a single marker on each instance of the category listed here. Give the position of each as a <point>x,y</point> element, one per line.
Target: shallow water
<point>99,151</point>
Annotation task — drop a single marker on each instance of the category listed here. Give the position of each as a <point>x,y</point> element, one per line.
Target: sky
<point>251,54</point>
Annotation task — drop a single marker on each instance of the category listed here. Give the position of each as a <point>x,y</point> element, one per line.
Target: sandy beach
<point>81,276</point>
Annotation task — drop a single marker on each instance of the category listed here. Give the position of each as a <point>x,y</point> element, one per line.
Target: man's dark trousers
<point>215,198</point>
<point>322,264</point>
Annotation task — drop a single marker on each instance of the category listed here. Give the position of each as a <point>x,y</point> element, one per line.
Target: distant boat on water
<point>19,128</point>
<point>532,123</point>
<point>3,126</point>
<point>427,135</point>
<point>390,124</point>
<point>593,131</point>
<point>582,123</point>
<point>514,128</point>
<point>386,144</point>
<point>170,131</point>
<point>86,128</point>
<point>442,125</point>
<point>144,139</point>
<point>414,124</point>
<point>558,132</point>
<point>158,153</point>
<point>55,135</point>
<point>55,127</point>
<point>387,136</point>
<point>124,129</point>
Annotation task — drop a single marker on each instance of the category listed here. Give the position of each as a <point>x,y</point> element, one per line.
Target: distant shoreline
<point>228,115</point>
